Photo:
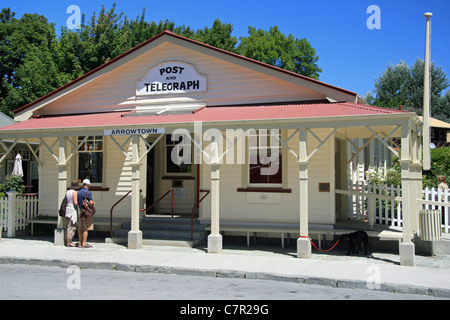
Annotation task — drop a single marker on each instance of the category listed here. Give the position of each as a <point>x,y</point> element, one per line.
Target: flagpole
<point>427,98</point>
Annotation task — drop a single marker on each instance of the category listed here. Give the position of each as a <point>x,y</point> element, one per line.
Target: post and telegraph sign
<point>171,78</point>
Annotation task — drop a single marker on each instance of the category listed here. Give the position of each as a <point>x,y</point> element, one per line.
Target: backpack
<point>62,208</point>
<point>87,209</point>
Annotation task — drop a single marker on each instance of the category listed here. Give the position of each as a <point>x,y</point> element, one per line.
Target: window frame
<point>188,173</point>
<point>282,163</point>
<point>81,149</point>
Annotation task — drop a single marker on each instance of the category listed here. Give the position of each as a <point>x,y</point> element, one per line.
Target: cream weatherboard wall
<point>116,177</point>
<point>277,207</point>
<point>234,206</point>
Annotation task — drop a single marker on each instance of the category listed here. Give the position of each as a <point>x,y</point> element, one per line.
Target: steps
<point>163,230</point>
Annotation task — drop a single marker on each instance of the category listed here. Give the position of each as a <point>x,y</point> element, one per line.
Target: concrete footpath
<point>381,271</point>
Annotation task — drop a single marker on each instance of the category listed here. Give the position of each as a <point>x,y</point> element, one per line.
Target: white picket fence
<point>26,209</point>
<point>383,203</point>
<point>3,213</point>
<point>437,197</point>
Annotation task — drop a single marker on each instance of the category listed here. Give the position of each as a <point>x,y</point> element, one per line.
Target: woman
<point>71,213</point>
<point>442,186</point>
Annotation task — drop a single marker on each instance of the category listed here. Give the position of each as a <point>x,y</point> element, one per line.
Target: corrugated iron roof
<point>206,114</point>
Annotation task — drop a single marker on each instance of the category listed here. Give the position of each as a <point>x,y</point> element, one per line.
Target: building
<point>440,132</point>
<point>121,124</point>
<point>29,163</point>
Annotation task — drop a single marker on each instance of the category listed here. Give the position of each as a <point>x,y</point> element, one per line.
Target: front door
<point>150,180</point>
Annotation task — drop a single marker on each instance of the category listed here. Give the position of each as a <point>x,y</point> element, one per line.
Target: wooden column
<point>303,244</point>
<point>62,189</point>
<point>215,238</point>
<point>407,249</point>
<point>135,235</point>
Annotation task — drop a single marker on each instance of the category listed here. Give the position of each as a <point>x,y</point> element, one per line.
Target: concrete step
<point>166,224</point>
<point>163,234</point>
<point>165,230</point>
<point>156,242</point>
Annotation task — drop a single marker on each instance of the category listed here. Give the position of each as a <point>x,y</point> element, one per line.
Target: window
<point>90,159</point>
<point>265,158</point>
<point>172,167</point>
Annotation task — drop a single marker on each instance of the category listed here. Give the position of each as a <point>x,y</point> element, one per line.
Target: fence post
<point>11,220</point>
<point>371,189</point>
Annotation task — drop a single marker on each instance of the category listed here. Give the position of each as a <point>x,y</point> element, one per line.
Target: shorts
<point>86,224</point>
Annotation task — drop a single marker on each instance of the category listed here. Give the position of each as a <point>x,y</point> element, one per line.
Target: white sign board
<point>171,77</point>
<point>179,193</point>
<point>133,131</point>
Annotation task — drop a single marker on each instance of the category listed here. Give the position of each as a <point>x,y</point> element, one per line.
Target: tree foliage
<point>28,59</point>
<point>274,48</point>
<point>440,165</point>
<point>402,85</point>
<point>35,61</point>
<point>12,183</point>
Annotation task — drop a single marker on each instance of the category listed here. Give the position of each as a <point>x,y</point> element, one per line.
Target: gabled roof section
<point>318,85</point>
<point>436,123</point>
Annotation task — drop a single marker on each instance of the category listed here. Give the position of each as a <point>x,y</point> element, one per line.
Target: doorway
<point>150,196</point>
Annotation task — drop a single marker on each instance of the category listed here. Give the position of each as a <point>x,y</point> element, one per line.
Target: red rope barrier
<point>318,248</point>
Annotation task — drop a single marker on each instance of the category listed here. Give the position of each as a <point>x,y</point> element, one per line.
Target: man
<point>86,224</point>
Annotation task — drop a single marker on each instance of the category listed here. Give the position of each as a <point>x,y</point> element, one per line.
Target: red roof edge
<point>167,32</point>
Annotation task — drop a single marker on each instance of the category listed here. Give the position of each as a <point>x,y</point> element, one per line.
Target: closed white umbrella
<point>17,170</point>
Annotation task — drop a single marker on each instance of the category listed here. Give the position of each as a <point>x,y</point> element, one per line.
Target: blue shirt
<point>81,194</point>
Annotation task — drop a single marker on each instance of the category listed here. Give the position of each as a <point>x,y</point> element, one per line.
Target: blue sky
<point>350,54</point>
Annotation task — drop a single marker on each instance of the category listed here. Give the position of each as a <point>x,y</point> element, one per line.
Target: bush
<point>12,183</point>
<point>440,160</point>
<point>392,176</point>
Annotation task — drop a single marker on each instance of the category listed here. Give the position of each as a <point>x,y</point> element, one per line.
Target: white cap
<point>86,182</point>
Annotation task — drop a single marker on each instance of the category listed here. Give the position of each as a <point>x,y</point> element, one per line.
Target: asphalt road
<point>48,283</point>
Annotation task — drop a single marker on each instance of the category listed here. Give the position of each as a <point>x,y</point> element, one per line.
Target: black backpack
<point>62,208</point>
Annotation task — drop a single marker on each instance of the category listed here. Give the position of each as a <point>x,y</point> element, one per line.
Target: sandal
<point>87,245</point>
<point>71,245</point>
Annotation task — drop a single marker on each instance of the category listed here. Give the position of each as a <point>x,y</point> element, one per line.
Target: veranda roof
<point>302,112</point>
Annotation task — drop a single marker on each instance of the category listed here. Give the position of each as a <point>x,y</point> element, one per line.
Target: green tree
<point>440,165</point>
<point>402,85</point>
<point>100,38</point>
<point>28,49</point>
<point>34,61</point>
<point>273,47</point>
<point>106,36</point>
<point>134,32</point>
<point>439,82</point>
<point>218,36</point>
<point>392,87</point>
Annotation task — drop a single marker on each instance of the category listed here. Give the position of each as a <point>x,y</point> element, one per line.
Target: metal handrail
<point>193,208</point>
<point>154,203</point>
<point>111,212</point>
